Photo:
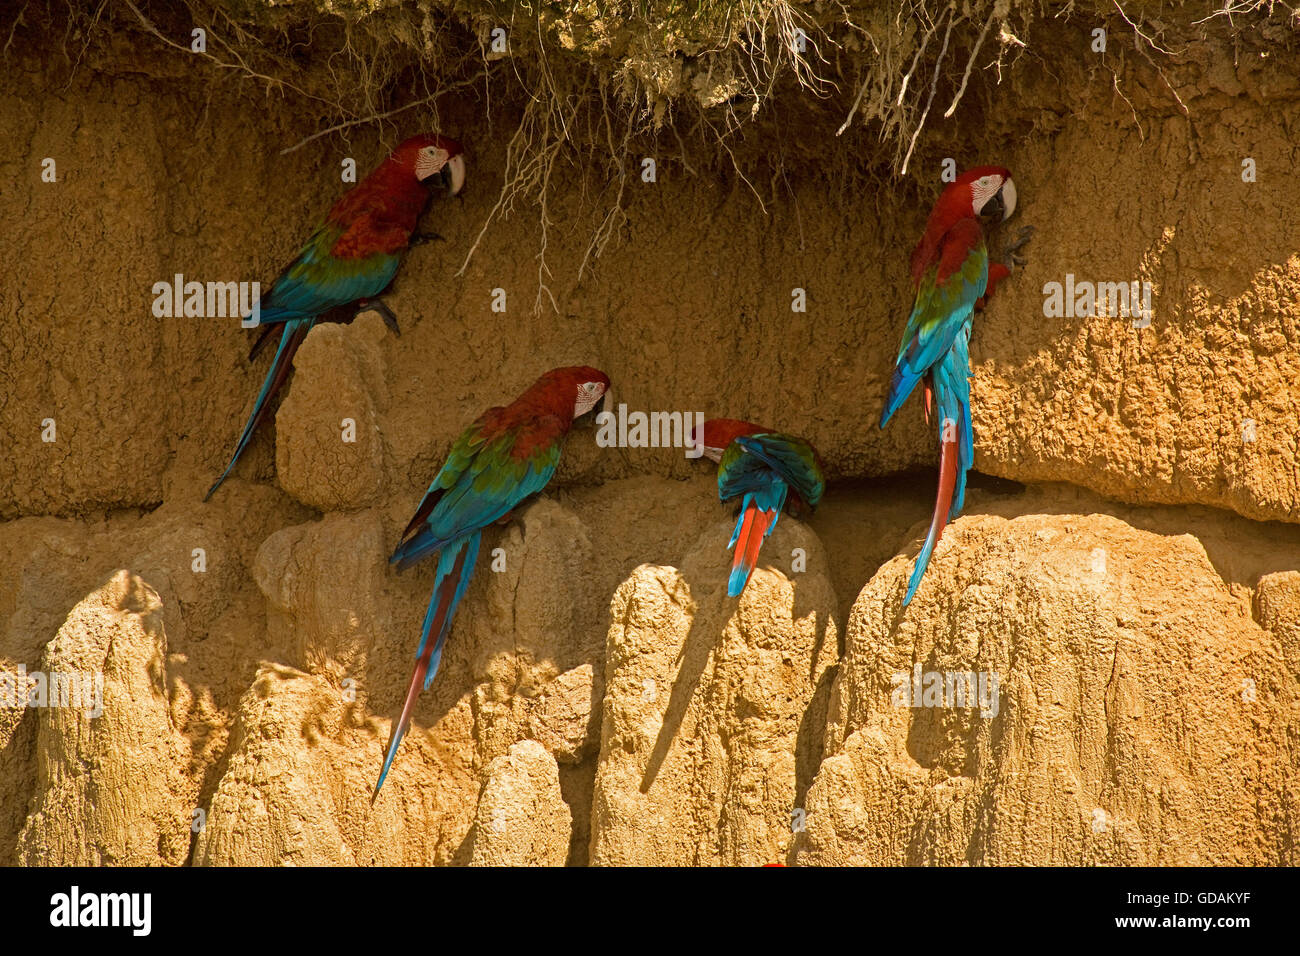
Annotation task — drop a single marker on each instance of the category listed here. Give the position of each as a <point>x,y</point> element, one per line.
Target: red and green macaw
<point>507,455</point>
<point>770,470</point>
<point>350,259</point>
<point>951,275</point>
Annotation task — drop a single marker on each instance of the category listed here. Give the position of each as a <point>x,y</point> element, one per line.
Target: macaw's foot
<point>420,238</point>
<point>390,320</point>
<point>505,518</point>
<point>1010,259</point>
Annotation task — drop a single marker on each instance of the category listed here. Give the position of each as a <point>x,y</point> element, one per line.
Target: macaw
<point>951,276</point>
<point>350,259</point>
<point>770,470</point>
<point>506,456</point>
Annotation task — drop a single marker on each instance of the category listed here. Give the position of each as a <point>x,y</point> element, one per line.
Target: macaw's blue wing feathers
<point>292,337</point>
<point>951,378</point>
<point>763,467</point>
<point>455,567</point>
<point>944,302</point>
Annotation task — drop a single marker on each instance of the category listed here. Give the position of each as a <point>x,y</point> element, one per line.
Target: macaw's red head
<point>985,193</point>
<point>571,391</point>
<point>718,433</point>
<point>429,155</point>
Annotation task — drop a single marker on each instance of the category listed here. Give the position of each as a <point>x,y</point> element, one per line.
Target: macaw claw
<point>420,238</point>
<point>390,320</point>
<point>1009,258</point>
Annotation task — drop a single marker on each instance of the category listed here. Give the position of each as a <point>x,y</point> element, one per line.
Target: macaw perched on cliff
<point>769,469</point>
<point>951,275</point>
<point>351,258</point>
<point>507,455</point>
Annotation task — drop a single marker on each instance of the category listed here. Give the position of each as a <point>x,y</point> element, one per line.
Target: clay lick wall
<point>1127,562</point>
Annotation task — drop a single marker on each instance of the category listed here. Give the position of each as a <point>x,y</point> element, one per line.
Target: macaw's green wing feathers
<point>749,457</point>
<point>793,459</point>
<point>488,473</point>
<point>458,461</point>
<point>944,300</point>
<point>317,281</point>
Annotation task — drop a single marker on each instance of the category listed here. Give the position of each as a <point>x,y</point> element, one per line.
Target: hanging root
<point>934,85</point>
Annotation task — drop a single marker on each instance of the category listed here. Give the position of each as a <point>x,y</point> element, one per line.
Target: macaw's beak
<point>1002,205</point>
<point>453,174</point>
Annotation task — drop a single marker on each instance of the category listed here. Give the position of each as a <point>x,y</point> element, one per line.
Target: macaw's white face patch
<point>986,187</point>
<point>430,161</point>
<point>589,394</point>
<point>713,454</point>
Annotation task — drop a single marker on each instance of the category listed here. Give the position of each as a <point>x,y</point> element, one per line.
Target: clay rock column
<point>329,453</point>
<point>522,819</point>
<point>108,788</point>
<point>714,706</point>
<point>1141,716</point>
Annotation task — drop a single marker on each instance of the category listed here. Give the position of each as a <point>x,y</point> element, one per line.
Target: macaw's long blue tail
<point>956,452</point>
<point>758,516</point>
<point>455,568</point>
<point>294,333</point>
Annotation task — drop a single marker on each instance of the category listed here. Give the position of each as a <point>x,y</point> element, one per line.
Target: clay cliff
<point>1127,565</point>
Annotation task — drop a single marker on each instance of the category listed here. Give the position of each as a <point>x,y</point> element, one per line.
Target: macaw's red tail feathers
<point>290,339</point>
<point>455,567</point>
<point>948,454</point>
<point>404,721</point>
<point>751,529</point>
